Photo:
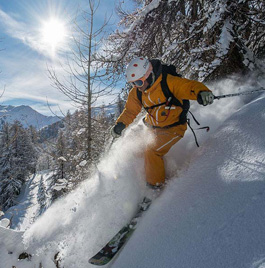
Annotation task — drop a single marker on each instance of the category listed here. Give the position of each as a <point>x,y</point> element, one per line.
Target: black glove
<point>117,130</point>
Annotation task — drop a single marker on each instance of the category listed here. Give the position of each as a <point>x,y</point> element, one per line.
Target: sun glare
<point>53,34</point>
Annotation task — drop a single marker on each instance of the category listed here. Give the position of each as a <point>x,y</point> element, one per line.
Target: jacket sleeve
<point>186,89</point>
<point>132,108</point>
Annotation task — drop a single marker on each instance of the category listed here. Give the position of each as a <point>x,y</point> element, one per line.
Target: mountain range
<point>26,115</point>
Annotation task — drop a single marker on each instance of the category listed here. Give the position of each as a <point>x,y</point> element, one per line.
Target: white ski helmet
<point>138,69</point>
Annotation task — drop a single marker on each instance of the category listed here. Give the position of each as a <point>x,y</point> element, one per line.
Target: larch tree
<point>86,81</point>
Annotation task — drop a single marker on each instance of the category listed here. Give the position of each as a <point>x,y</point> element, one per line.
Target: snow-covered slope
<point>26,115</point>
<point>210,215</point>
<point>28,207</point>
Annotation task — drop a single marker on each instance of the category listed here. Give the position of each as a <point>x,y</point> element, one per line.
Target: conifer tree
<point>42,198</point>
<point>61,155</point>
<point>204,39</point>
<point>18,159</point>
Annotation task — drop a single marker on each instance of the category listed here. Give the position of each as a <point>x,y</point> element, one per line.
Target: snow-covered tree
<point>9,190</point>
<point>69,152</point>
<point>101,127</point>
<point>204,39</point>
<point>18,159</point>
<point>42,198</point>
<point>33,134</point>
<point>61,154</point>
<point>23,152</point>
<point>121,102</point>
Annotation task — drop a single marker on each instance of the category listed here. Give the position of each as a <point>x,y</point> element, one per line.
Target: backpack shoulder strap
<point>139,95</point>
<point>172,100</point>
<point>168,94</point>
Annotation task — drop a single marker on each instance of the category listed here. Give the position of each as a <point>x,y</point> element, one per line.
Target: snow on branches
<point>204,39</point>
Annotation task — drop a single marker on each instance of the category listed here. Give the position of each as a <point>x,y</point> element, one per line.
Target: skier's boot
<point>157,186</point>
<point>153,191</point>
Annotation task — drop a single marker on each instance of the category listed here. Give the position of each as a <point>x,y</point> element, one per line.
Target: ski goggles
<point>140,82</point>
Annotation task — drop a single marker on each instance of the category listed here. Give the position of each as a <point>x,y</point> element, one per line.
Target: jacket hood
<point>157,67</point>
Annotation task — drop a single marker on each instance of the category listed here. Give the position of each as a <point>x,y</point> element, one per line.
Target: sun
<point>53,34</point>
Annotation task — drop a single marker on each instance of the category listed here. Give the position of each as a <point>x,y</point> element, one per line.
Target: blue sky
<point>26,50</point>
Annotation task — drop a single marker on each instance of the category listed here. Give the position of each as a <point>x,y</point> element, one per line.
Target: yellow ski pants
<point>154,163</point>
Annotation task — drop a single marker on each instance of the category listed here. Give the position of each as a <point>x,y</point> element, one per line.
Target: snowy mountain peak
<point>26,115</point>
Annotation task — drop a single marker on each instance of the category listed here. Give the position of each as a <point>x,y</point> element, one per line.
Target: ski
<point>107,253</point>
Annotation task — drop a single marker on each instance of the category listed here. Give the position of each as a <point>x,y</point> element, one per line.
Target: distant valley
<point>26,115</point>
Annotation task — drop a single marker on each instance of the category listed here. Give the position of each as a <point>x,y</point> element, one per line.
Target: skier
<point>164,96</point>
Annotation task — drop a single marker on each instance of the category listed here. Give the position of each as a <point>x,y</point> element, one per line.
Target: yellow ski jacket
<point>182,89</point>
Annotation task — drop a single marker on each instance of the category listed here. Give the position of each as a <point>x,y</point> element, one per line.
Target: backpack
<point>170,98</point>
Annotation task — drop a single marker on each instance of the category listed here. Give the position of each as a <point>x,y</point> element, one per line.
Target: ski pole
<point>239,94</point>
<point>113,139</point>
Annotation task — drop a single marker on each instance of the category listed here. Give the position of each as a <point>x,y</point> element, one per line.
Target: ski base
<point>107,253</point>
